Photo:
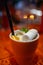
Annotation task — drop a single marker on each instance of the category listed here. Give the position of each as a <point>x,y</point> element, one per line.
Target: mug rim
<point>24,41</point>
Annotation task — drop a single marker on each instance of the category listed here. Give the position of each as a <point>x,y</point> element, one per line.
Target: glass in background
<point>26,12</point>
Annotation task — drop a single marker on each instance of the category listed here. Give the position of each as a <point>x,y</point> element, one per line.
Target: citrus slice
<point>15,37</point>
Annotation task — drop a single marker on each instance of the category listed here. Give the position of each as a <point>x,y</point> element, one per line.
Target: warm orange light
<point>31,17</point>
<point>25,17</point>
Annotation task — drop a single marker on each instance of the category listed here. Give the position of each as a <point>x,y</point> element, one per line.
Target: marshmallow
<point>19,32</point>
<point>30,35</point>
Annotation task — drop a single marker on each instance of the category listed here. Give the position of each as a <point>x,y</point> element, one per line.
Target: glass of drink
<point>24,50</point>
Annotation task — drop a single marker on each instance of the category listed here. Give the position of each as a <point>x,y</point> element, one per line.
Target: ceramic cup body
<point>24,51</point>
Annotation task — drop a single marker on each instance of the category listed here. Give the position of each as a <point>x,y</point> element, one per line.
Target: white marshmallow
<point>31,34</point>
<point>19,32</point>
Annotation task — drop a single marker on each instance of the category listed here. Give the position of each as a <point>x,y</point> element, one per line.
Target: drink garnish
<point>15,37</point>
<point>24,30</point>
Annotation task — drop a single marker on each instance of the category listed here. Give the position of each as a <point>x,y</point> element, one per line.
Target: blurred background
<point>22,12</point>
